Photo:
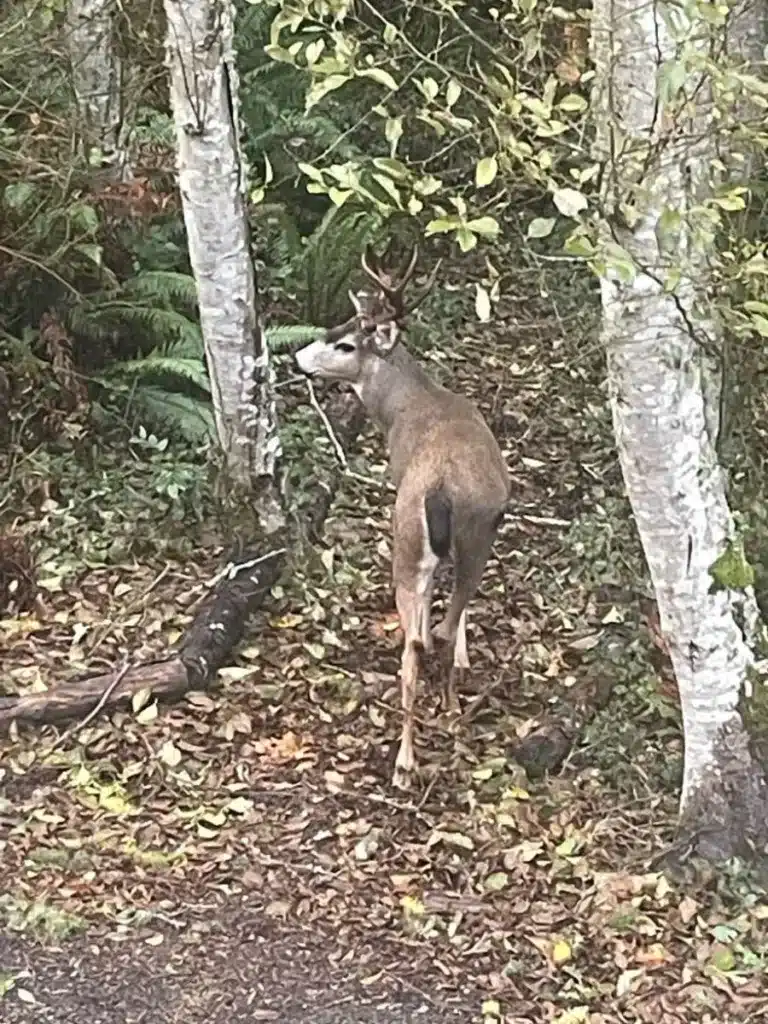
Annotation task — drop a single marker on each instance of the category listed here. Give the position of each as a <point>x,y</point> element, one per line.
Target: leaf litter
<point>241,856</point>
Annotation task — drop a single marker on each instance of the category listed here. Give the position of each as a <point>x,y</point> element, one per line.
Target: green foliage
<point>731,570</point>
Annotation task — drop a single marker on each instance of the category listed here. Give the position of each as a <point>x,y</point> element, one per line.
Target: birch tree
<point>656,139</point>
<point>97,80</point>
<point>212,179</point>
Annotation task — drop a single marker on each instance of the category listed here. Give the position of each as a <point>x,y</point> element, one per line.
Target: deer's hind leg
<point>469,564</point>
<point>414,565</point>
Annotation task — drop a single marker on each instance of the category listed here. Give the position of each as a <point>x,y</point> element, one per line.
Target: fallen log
<point>215,631</point>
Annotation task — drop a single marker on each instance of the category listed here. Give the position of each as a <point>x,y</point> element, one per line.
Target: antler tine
<point>425,290</point>
<point>410,269</point>
<point>373,270</point>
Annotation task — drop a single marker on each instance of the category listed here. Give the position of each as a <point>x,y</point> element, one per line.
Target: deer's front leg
<point>407,607</point>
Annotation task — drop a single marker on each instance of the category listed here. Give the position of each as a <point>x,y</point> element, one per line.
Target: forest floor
<point>241,856</point>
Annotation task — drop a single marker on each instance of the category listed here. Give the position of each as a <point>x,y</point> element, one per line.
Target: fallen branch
<point>206,647</point>
<point>241,589</point>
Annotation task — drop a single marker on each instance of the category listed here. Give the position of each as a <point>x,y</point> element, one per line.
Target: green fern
<point>332,257</point>
<point>163,364</point>
<point>280,338</point>
<point>166,287</point>
<point>185,415</point>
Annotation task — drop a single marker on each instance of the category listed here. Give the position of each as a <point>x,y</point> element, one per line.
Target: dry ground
<point>241,856</point>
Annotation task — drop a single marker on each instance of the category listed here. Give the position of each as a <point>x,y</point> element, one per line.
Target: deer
<point>450,477</point>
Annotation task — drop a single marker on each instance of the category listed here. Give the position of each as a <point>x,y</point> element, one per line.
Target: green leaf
<point>573,103</point>
<point>389,187</point>
<point>496,882</point>
<point>313,51</point>
<point>17,194</point>
<point>312,172</point>
<point>322,87</point>
<point>467,239</point>
<point>540,227</point>
<point>91,251</point>
<point>760,324</point>
<point>393,130</point>
<point>339,196</point>
<point>486,171</point>
<point>279,53</point>
<point>84,218</point>
<point>429,88</point>
<point>394,168</point>
<point>379,75</point>
<point>452,93</point>
<point>730,202</point>
<point>390,33</point>
<point>484,226</point>
<point>579,244</point>
<point>569,201</point>
<point>441,225</point>
<point>415,206</point>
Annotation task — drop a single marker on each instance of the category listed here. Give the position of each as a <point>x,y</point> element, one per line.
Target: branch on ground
<point>217,628</point>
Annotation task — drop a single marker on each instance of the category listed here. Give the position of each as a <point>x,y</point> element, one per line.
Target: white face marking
<point>334,360</point>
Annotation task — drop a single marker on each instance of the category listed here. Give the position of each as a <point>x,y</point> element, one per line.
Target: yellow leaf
<point>412,906</point>
<point>287,621</point>
<point>561,952</point>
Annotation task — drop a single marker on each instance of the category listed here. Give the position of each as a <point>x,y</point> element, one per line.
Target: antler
<point>393,292</point>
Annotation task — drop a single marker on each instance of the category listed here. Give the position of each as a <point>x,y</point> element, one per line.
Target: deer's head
<point>371,333</point>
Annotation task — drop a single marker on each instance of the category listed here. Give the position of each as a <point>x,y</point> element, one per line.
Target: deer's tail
<point>439,512</point>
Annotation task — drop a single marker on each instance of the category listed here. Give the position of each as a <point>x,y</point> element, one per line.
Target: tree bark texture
<point>661,346</point>
<point>97,80</point>
<point>204,91</point>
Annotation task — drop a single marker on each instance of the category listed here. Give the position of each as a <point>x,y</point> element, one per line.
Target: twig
<point>340,453</point>
<point>75,729</point>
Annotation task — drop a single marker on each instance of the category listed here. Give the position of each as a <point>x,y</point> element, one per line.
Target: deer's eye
<point>344,346</point>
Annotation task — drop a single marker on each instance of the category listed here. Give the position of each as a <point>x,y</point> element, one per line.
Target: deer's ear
<point>386,337</point>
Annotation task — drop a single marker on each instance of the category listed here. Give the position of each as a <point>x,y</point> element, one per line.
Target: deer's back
<point>444,442</point>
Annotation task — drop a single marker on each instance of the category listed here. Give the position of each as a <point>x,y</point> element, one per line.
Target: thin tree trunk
<point>664,400</point>
<point>204,93</point>
<point>97,81</point>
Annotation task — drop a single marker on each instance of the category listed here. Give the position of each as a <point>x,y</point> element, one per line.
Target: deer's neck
<point>391,386</point>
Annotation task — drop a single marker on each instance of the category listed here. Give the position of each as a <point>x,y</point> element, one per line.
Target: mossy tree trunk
<point>657,141</point>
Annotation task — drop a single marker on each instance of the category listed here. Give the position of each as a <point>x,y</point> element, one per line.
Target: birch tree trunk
<point>97,80</point>
<point>204,92</point>
<point>660,343</point>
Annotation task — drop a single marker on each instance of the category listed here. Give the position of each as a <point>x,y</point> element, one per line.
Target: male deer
<point>451,479</point>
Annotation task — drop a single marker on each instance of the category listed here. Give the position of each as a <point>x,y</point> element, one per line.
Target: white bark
<point>212,182</point>
<point>664,403</point>
<point>97,80</point>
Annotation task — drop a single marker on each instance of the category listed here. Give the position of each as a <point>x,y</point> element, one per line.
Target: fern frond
<point>158,363</point>
<point>171,410</point>
<point>332,256</point>
<point>279,338</point>
<point>163,326</point>
<point>169,287</point>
